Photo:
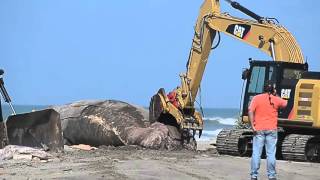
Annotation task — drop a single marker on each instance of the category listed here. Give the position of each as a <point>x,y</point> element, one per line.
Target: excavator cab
<point>283,76</point>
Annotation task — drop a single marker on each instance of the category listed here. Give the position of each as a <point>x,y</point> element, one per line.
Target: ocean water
<point>215,119</point>
<point>6,110</point>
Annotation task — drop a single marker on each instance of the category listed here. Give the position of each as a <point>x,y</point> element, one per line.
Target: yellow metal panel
<point>307,101</point>
<point>316,103</point>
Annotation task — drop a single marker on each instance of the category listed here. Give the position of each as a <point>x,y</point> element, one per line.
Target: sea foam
<point>224,121</point>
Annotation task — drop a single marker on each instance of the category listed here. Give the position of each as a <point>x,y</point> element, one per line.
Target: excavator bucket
<point>36,129</point>
<point>163,110</point>
<point>156,108</point>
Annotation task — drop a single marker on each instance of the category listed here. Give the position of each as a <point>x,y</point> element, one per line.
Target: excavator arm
<point>177,108</point>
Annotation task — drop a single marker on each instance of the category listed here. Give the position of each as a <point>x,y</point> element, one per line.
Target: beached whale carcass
<point>115,123</point>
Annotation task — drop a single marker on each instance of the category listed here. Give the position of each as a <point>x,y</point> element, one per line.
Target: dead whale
<point>116,123</point>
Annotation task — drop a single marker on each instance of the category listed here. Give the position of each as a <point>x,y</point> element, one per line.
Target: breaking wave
<point>222,121</point>
<point>213,126</point>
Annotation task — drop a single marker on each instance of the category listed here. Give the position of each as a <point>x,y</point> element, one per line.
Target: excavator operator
<point>263,115</point>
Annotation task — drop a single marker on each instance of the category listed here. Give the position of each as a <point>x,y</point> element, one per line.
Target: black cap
<point>269,88</point>
<point>1,71</point>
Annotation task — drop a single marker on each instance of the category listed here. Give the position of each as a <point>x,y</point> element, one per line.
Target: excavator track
<point>235,142</point>
<point>297,147</point>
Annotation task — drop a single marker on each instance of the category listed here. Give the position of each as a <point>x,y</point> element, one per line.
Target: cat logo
<point>285,93</point>
<point>239,30</point>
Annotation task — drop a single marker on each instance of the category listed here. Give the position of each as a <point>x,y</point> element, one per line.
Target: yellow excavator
<point>299,122</point>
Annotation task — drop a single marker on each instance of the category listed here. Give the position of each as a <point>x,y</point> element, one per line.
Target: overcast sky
<point>57,51</point>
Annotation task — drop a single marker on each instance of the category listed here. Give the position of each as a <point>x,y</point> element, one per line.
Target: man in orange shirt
<point>263,115</point>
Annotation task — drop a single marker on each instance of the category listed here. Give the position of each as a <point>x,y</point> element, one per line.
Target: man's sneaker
<point>254,178</point>
<point>272,178</point>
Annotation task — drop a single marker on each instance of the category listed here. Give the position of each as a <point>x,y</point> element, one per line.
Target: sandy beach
<point>133,162</point>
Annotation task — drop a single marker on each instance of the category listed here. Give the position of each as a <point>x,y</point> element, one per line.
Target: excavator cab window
<point>292,73</point>
<point>257,80</point>
<point>255,84</point>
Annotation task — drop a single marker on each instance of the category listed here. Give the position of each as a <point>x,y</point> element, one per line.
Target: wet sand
<point>137,163</point>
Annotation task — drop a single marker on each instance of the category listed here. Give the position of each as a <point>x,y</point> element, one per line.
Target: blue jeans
<point>269,139</point>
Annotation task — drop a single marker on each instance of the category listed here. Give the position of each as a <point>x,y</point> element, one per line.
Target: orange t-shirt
<point>266,114</point>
